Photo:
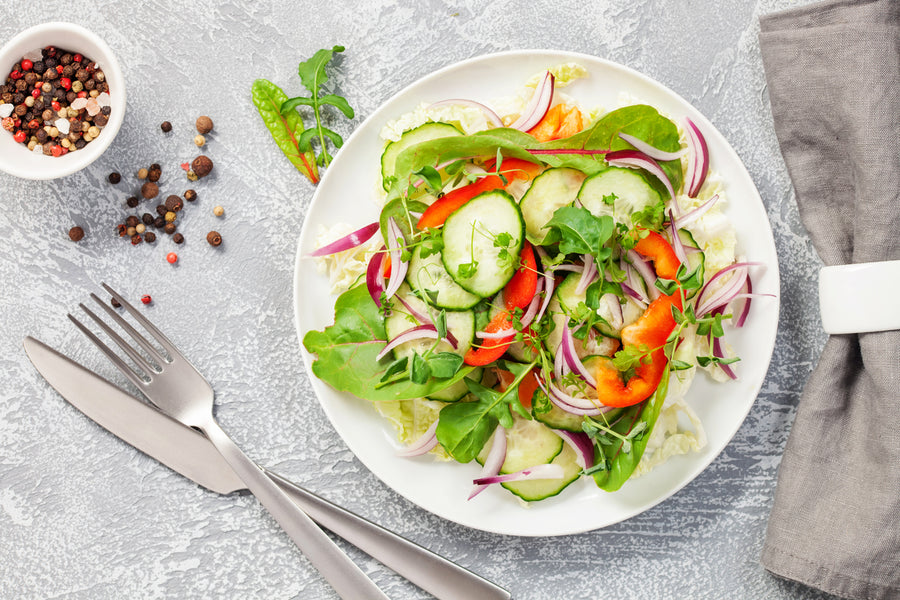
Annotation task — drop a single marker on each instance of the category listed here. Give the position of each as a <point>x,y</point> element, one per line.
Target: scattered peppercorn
<point>149,237</point>
<point>204,124</point>
<point>114,177</point>
<point>149,190</point>
<point>172,258</point>
<point>170,228</point>
<point>199,140</point>
<point>142,173</point>
<point>131,221</point>
<point>165,126</point>
<point>170,216</point>
<point>130,231</point>
<point>174,203</point>
<point>192,176</point>
<point>190,195</point>
<point>202,165</point>
<point>115,303</point>
<point>136,239</point>
<point>161,210</point>
<point>154,173</point>
<point>132,202</point>
<point>146,299</point>
<point>121,229</point>
<point>218,211</point>
<point>76,234</point>
<point>140,228</point>
<point>159,222</point>
<point>147,219</point>
<point>178,238</point>
<point>214,238</point>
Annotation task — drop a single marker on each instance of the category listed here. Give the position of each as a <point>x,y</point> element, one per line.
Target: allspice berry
<point>166,126</point>
<point>204,124</point>
<point>76,234</point>
<point>202,165</point>
<point>174,203</point>
<point>149,237</point>
<point>190,195</point>
<point>178,238</point>
<point>170,228</point>
<point>149,190</point>
<point>214,238</point>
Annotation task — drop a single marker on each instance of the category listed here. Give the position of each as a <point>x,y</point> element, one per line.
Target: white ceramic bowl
<point>15,158</point>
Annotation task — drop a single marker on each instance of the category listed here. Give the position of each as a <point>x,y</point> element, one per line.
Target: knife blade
<point>189,453</point>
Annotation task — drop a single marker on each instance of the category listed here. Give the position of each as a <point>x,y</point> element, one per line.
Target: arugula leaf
<point>345,353</point>
<point>464,427</point>
<point>579,232</point>
<point>312,74</point>
<point>285,129</point>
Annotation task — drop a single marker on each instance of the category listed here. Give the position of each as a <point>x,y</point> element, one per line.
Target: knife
<point>188,452</point>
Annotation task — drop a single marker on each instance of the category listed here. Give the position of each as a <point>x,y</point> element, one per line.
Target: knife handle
<point>435,574</point>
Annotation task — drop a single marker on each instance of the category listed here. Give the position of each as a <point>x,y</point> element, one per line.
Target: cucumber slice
<point>556,418</point>
<point>695,259</point>
<point>528,443</point>
<point>541,489</point>
<point>552,189</point>
<point>422,133</point>
<point>631,191</point>
<point>470,236</point>
<point>429,274</point>
<point>460,323</point>
<point>458,390</point>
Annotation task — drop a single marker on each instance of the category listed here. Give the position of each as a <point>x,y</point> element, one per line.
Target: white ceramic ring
<point>860,298</point>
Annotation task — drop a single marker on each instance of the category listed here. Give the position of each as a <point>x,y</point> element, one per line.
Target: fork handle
<point>443,579</point>
<point>343,574</point>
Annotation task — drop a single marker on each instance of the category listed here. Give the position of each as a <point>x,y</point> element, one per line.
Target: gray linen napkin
<point>833,72</point>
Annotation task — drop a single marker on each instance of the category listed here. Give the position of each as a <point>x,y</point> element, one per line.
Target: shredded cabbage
<point>344,269</point>
<point>412,418</point>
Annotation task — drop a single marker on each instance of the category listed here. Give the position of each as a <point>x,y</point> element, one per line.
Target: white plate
<point>346,194</point>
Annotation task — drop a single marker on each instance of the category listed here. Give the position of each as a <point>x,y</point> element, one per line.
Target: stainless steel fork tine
<point>112,356</point>
<point>142,363</point>
<point>145,323</point>
<point>131,331</point>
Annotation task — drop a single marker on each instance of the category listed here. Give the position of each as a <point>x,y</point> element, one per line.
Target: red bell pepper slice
<point>491,349</point>
<point>520,290</point>
<point>651,329</point>
<point>656,248</point>
<point>443,207</point>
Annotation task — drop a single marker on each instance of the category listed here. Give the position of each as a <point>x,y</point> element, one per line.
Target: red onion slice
<point>548,471</point>
<point>587,274</point>
<point>424,320</point>
<point>496,335</point>
<point>581,444</point>
<point>698,159</point>
<point>531,311</point>
<point>351,240</point>
<point>572,268</point>
<point>745,310</point>
<point>375,276</point>
<point>688,218</point>
<point>705,301</point>
<point>720,353</point>
<point>538,105</point>
<point>567,348</point>
<point>398,267</point>
<point>638,160</point>
<point>651,151</point>
<point>416,333</point>
<point>549,283</point>
<point>677,245</point>
<point>424,444</point>
<point>494,460</point>
<point>649,277</point>
<point>492,116</point>
<point>565,405</point>
<point>617,318</point>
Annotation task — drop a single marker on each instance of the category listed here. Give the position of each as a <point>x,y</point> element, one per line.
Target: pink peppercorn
<point>172,258</point>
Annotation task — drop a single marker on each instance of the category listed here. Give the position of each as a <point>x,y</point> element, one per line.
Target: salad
<point>542,285</point>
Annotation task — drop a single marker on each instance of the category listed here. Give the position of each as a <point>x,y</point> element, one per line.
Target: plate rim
<point>705,458</point>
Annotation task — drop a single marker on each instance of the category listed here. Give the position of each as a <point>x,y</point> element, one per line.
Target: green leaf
<point>312,72</point>
<point>667,286</point>
<point>285,129</point>
<point>467,270</point>
<point>338,102</point>
<point>431,177</point>
<point>610,199</point>
<point>419,371</point>
<point>305,139</point>
<point>445,364</point>
<point>346,353</point>
<point>441,322</point>
<point>396,367</point>
<point>578,231</point>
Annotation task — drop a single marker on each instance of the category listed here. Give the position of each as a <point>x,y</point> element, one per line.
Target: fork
<point>178,389</point>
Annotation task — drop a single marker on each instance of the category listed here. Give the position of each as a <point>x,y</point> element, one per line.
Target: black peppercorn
<point>170,228</point>
<point>132,202</point>
<point>174,203</point>
<point>149,237</point>
<point>159,222</point>
<point>166,126</point>
<point>114,178</point>
<point>132,221</point>
<point>161,210</point>
<point>38,66</point>
<point>214,238</point>
<point>154,173</point>
<point>147,219</point>
<point>178,238</point>
<point>190,195</point>
<point>115,303</point>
